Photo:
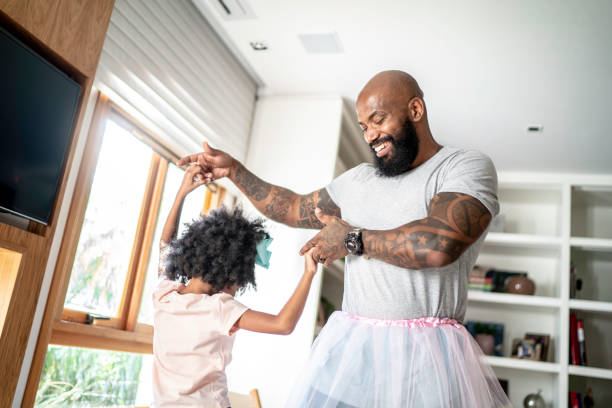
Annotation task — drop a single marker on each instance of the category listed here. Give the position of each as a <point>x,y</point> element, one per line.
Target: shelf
<point>513,299</point>
<point>522,240</point>
<point>592,372</point>
<point>590,305</point>
<point>518,364</point>
<point>592,244</point>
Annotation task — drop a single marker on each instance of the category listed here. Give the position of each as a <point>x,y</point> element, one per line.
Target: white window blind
<point>163,64</point>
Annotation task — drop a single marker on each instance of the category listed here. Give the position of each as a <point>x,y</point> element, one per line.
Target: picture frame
<point>543,340</point>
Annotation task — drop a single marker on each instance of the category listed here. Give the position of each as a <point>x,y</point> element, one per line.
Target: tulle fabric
<point>429,362</point>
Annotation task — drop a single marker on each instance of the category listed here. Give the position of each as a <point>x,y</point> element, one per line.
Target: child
<point>194,323</point>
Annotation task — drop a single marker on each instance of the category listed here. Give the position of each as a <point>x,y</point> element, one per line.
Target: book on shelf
<point>575,399</point>
<point>581,345</point>
<point>577,344</point>
<point>574,351</point>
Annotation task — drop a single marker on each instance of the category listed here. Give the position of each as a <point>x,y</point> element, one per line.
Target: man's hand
<point>328,244</point>
<point>215,163</point>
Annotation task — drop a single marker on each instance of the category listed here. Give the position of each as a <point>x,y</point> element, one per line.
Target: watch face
<point>350,246</point>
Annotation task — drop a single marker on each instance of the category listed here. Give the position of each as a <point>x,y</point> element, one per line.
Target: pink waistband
<point>408,323</point>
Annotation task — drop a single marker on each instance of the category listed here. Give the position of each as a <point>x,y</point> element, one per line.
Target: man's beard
<point>405,150</point>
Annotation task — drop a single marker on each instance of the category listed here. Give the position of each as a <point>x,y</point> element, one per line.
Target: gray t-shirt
<point>373,288</point>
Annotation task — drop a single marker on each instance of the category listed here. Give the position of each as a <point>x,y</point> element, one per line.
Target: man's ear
<point>416,109</point>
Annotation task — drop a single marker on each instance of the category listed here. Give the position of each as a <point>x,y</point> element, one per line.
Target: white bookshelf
<point>550,221</point>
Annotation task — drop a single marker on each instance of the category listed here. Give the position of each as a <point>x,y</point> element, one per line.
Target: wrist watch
<point>353,242</point>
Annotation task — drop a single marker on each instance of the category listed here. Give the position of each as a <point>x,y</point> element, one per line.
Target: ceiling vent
<point>233,9</point>
<point>321,43</point>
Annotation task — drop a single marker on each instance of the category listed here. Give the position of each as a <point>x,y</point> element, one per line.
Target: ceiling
<point>489,70</point>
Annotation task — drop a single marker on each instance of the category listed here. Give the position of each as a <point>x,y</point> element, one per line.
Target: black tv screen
<point>38,104</point>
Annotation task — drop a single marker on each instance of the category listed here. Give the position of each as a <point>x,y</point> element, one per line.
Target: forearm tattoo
<point>279,203</point>
<point>255,188</point>
<point>455,221</point>
<point>308,203</point>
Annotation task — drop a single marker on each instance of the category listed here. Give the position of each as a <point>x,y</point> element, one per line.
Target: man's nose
<point>371,135</point>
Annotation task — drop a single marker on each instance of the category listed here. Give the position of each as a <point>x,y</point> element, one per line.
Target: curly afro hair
<point>220,248</point>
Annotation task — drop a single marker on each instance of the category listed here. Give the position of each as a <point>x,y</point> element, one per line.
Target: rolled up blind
<point>163,63</point>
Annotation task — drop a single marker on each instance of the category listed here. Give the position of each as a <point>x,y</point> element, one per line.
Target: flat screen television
<point>38,105</point>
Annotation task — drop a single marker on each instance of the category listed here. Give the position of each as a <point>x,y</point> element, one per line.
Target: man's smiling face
<point>388,131</point>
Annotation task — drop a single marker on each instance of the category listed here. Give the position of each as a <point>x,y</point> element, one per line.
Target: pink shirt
<point>192,345</point>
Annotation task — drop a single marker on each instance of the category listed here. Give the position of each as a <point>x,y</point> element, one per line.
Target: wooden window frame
<point>123,332</point>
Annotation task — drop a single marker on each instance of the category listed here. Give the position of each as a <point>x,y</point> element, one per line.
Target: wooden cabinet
<point>69,34</point>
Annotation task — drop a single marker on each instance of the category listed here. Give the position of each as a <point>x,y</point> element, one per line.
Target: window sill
<point>92,336</point>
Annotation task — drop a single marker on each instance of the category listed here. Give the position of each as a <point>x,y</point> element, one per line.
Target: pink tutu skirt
<point>424,363</point>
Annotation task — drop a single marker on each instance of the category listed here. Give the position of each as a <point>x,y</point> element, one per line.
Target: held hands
<point>193,178</point>
<point>215,163</point>
<point>310,265</point>
<point>328,244</point>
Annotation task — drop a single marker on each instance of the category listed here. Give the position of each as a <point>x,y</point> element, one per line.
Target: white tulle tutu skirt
<point>424,363</point>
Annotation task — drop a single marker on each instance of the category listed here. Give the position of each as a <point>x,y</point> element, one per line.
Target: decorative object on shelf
<point>575,282</point>
<point>524,349</point>
<point>532,347</point>
<point>542,342</point>
<point>500,278</point>
<point>520,285</point>
<point>484,332</point>
<point>534,401</point>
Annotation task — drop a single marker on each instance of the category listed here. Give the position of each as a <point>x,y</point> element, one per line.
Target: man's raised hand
<point>215,163</point>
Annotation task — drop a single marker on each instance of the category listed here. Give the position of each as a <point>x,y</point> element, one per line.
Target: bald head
<point>395,84</point>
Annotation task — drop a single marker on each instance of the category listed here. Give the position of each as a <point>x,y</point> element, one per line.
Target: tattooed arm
<point>281,204</point>
<point>454,222</point>
<point>277,203</point>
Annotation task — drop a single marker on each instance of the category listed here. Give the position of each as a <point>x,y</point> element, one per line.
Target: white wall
<point>293,144</point>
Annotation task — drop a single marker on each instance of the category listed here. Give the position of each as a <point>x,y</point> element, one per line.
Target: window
<point>108,265</point>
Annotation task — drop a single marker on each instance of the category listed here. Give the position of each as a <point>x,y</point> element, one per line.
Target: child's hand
<point>194,177</point>
<point>310,265</point>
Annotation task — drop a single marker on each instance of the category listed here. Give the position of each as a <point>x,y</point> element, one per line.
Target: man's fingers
<point>188,159</point>
<point>308,246</point>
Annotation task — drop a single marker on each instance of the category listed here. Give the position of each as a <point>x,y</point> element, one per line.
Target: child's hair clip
<point>262,258</point>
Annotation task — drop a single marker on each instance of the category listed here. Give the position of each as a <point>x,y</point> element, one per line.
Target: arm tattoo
<point>255,188</point>
<point>279,204</point>
<point>283,205</point>
<point>454,222</point>
<point>307,205</point>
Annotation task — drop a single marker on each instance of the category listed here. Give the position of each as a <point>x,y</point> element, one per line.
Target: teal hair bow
<point>263,255</point>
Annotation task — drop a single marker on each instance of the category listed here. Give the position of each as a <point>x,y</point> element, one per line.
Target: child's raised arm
<point>190,183</point>
<point>285,321</point>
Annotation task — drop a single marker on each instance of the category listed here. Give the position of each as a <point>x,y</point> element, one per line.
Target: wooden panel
<point>20,310</point>
<point>73,29</point>
<point>59,285</point>
<point>10,262</point>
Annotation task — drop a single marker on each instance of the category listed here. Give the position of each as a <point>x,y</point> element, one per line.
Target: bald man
<point>410,227</point>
